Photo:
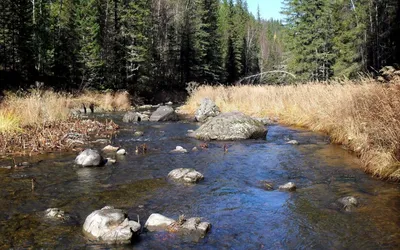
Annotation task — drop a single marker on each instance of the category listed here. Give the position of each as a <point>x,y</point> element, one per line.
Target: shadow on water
<point>243,214</point>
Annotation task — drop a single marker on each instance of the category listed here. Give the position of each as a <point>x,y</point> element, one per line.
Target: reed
<point>363,115</point>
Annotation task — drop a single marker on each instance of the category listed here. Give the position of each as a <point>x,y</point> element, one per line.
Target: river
<point>243,214</point>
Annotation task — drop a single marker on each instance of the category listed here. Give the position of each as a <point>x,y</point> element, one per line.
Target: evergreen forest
<point>146,46</point>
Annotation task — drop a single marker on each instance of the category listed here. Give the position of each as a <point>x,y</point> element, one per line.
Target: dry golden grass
<point>39,120</point>
<point>363,115</point>
<point>118,101</point>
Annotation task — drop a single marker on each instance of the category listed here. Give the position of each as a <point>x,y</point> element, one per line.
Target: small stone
<point>293,142</point>
<point>290,186</point>
<point>187,175</point>
<point>169,103</point>
<point>54,213</point>
<point>110,161</point>
<point>5,167</point>
<point>121,152</point>
<point>179,149</point>
<point>157,222</point>
<point>195,149</point>
<point>138,133</point>
<point>348,203</point>
<point>110,148</point>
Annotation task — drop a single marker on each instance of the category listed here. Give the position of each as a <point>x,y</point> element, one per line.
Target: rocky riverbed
<point>241,194</point>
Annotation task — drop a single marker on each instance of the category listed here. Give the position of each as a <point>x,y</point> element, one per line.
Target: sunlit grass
<point>363,115</point>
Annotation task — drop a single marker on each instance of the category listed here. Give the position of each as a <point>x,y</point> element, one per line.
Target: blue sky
<point>268,8</point>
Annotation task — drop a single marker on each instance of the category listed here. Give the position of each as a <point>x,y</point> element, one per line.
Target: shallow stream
<point>243,214</point>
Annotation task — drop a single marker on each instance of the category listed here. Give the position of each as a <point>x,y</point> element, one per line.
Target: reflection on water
<point>243,214</point>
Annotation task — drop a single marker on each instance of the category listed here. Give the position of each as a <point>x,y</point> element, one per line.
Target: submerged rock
<point>164,113</point>
<point>54,213</point>
<point>195,224</point>
<point>231,126</point>
<point>138,133</point>
<point>158,222</point>
<point>187,175</point>
<point>290,186</point>
<point>179,149</point>
<point>89,157</point>
<point>207,109</point>
<point>111,226</point>
<point>348,203</point>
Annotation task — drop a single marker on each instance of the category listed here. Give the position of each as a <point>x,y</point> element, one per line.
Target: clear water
<point>243,214</point>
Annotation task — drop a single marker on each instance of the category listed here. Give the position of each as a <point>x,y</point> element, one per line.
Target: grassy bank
<point>40,120</point>
<point>363,115</point>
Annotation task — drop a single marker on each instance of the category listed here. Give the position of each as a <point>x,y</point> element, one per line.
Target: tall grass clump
<point>363,115</point>
<point>107,101</point>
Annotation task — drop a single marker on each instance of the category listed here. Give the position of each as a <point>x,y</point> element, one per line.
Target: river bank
<point>42,121</point>
<point>363,115</point>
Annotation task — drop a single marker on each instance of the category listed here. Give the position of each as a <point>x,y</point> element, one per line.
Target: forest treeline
<point>146,46</point>
<point>139,45</point>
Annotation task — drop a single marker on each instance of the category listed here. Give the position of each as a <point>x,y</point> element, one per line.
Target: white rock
<point>54,213</point>
<point>179,149</point>
<point>188,175</point>
<point>110,226</point>
<point>110,148</point>
<point>290,186</point>
<point>89,157</point>
<point>110,161</point>
<point>121,151</point>
<point>293,142</point>
<point>157,222</point>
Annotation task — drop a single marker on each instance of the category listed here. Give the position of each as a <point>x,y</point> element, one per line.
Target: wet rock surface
<point>110,226</point>
<point>89,158</point>
<point>187,175</point>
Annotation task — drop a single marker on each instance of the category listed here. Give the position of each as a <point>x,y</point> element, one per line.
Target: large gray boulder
<point>231,126</point>
<point>131,117</point>
<point>88,158</point>
<point>164,113</point>
<point>188,175</point>
<point>110,226</point>
<point>207,109</point>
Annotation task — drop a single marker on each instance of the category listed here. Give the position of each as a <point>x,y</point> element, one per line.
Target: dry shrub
<point>363,115</point>
<point>108,101</point>
<point>38,107</point>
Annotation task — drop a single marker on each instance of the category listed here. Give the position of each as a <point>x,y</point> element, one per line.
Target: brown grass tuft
<point>363,115</point>
<point>39,120</point>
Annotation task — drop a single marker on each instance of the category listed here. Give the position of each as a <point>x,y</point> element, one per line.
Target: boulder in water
<point>111,226</point>
<point>158,222</point>
<point>131,117</point>
<point>187,175</point>
<point>207,109</point>
<point>231,126</point>
<point>89,157</point>
<point>164,113</point>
